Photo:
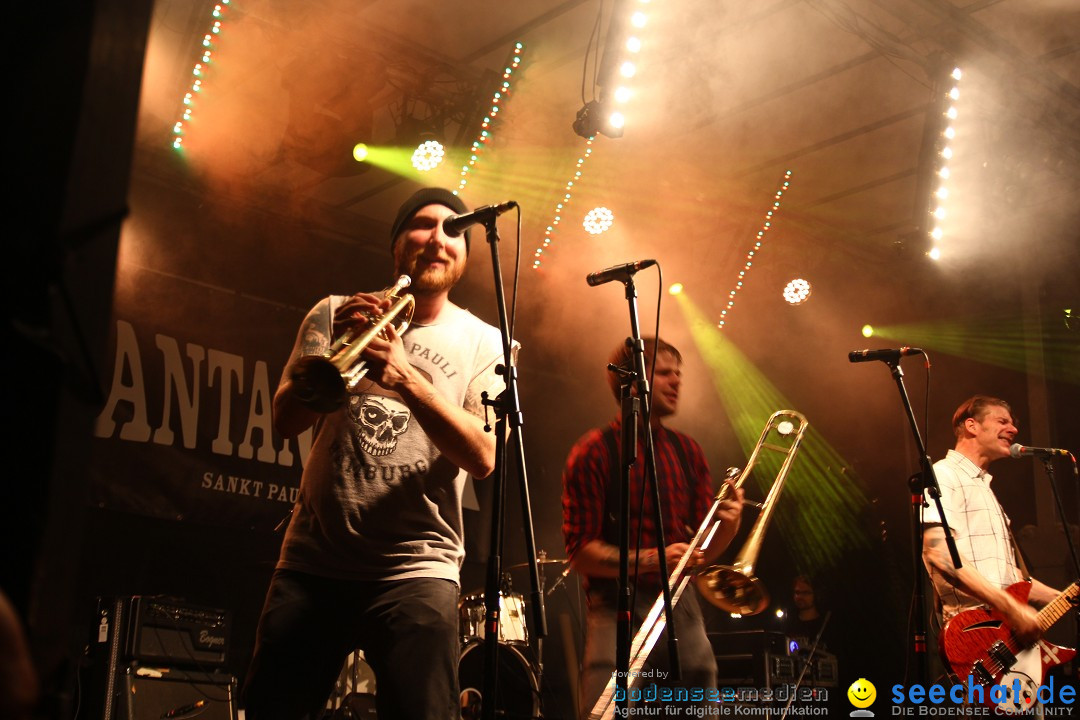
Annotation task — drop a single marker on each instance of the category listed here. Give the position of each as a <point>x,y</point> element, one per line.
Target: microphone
<point>455,225</point>
<point>622,273</point>
<point>1018,451</point>
<point>888,355</point>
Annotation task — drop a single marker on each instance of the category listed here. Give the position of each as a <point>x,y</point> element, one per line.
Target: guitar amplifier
<point>158,629</point>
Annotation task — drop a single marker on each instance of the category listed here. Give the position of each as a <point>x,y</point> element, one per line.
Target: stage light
<point>942,192</point>
<point>946,152</point>
<point>950,132</point>
<point>633,44</point>
<point>797,291</point>
<point>954,93</point>
<point>951,113</point>
<point>622,94</point>
<point>935,253</point>
<point>598,220</point>
<point>867,331</point>
<point>594,118</point>
<point>638,19</point>
<point>627,69</point>
<point>428,155</point>
<point>360,152</point>
<point>779,613</point>
<point>956,74</point>
<point>936,233</point>
<point>675,289</point>
<point>939,213</point>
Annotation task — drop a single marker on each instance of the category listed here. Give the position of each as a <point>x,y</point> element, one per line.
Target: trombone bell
<point>733,590</point>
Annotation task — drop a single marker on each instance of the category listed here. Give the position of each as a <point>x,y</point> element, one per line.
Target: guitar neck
<point>1061,605</point>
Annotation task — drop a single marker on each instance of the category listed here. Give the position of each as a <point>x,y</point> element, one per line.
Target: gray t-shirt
<point>378,501</point>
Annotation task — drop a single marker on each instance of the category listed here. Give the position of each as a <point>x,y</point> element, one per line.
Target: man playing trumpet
<point>372,552</point>
<point>590,526</point>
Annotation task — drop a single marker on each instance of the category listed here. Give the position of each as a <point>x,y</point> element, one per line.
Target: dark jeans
<point>696,657</point>
<point>408,630</point>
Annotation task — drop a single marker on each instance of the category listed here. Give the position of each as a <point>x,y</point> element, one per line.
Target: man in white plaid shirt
<point>984,432</point>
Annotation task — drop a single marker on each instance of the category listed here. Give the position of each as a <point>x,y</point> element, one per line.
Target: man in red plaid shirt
<point>590,527</point>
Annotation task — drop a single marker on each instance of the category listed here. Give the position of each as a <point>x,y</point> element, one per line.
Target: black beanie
<point>422,198</point>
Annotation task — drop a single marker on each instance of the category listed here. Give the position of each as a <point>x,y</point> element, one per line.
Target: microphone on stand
<point>622,273</point>
<point>455,225</point>
<point>559,581</point>
<point>888,355</point>
<point>1018,451</point>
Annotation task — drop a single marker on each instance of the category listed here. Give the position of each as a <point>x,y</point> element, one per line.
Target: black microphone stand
<point>507,407</point>
<point>924,480</point>
<point>1048,463</point>
<point>628,453</point>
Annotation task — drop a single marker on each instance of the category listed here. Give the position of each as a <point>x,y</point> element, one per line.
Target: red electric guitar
<point>979,643</point>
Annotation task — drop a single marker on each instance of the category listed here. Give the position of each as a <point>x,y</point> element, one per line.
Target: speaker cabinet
<point>170,694</point>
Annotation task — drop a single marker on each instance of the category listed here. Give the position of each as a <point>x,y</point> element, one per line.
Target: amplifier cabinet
<point>172,694</point>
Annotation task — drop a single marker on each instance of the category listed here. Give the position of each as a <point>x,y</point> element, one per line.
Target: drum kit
<point>520,668</point>
<point>519,671</point>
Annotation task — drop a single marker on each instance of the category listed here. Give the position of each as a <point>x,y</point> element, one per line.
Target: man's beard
<point>428,280</point>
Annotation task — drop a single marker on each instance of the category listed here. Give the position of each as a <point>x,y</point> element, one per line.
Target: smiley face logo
<point>862,693</point>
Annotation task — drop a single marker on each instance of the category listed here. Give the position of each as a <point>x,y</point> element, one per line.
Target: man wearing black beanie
<point>372,554</point>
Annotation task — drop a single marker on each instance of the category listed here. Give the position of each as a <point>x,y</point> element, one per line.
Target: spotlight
<point>867,331</point>
<point>595,118</point>
<point>675,289</point>
<point>956,74</point>
<point>779,613</point>
<point>935,253</point>
<point>360,152</point>
<point>428,155</point>
<point>638,19</point>
<point>598,220</point>
<point>627,69</point>
<point>797,291</point>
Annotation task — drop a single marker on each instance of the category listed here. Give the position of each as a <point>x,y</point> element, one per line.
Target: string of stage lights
<point>560,206</point>
<point>209,44</point>
<point>484,137</point>
<point>945,154</point>
<point>770,215</point>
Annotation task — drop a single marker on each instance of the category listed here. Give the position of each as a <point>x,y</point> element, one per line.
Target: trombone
<point>733,588</point>
<point>323,382</point>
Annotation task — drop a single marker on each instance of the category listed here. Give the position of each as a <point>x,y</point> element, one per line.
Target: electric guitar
<point>980,643</point>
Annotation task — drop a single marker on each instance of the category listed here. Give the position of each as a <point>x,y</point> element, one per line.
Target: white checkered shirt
<point>979,525</point>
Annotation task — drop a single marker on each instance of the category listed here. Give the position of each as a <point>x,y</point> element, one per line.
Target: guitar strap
<point>1019,557</point>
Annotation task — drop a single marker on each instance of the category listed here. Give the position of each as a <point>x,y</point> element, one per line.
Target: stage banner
<point>186,432</point>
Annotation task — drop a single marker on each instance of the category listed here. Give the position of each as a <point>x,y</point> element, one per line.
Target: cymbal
<point>545,561</point>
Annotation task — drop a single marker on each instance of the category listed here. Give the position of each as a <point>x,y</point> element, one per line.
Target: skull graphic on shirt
<point>382,421</point>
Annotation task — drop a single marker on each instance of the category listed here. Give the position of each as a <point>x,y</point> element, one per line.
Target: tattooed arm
<point>290,417</point>
<point>1020,617</point>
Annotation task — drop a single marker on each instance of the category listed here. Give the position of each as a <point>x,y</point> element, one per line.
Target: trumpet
<point>734,588</point>
<point>323,382</point>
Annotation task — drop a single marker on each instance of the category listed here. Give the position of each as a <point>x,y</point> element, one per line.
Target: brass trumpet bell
<point>323,382</point>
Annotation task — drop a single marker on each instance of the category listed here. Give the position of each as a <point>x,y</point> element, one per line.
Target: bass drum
<point>519,693</point>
